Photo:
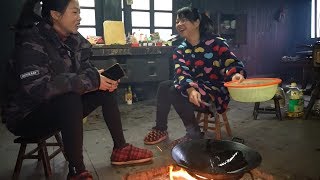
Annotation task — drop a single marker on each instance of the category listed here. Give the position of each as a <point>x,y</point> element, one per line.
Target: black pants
<point>167,95</point>
<point>65,112</point>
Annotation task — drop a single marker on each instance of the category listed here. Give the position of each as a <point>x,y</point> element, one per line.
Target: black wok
<point>216,158</point>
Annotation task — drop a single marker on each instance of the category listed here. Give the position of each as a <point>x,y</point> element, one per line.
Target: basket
<point>253,89</point>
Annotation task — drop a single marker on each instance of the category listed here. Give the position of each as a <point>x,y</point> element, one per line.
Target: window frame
<point>96,20</point>
<point>127,12</point>
<point>314,18</point>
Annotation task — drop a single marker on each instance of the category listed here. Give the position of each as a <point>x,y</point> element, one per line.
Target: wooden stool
<point>206,120</point>
<point>41,150</point>
<point>276,110</point>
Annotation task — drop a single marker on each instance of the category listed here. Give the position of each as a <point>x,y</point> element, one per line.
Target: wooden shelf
<point>232,27</point>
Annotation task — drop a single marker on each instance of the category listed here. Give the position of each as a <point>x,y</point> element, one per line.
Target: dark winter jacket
<point>45,67</point>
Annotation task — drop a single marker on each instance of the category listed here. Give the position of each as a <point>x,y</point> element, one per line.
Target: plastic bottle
<point>282,102</point>
<point>281,93</point>
<point>295,104</point>
<point>129,96</point>
<point>129,38</point>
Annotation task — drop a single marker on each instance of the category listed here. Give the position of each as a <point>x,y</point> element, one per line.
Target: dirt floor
<point>290,149</point>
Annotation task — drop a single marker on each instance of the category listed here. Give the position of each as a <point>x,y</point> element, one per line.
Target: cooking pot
<point>216,159</point>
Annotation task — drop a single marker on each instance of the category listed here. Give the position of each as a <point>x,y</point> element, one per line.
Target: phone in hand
<point>115,72</point>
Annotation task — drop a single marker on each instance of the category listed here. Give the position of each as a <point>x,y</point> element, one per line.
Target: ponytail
<point>27,16</point>
<point>206,25</point>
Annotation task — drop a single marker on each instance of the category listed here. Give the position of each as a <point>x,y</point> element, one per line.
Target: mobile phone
<point>115,72</point>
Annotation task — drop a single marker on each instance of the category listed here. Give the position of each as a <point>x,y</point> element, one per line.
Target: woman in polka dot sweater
<point>203,62</point>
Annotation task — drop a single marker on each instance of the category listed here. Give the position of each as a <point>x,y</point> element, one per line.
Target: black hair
<point>28,16</point>
<point>193,14</point>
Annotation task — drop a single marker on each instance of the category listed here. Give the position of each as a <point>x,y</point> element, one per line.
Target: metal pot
<point>216,159</point>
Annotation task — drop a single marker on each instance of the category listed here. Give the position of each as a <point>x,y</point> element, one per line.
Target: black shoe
<point>85,175</point>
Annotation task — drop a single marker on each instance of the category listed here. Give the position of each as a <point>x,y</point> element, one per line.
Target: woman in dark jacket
<point>203,62</point>
<point>57,85</point>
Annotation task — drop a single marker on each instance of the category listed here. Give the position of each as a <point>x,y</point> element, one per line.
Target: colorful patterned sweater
<point>206,67</point>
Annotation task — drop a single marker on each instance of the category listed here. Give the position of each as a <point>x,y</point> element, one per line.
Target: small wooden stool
<point>41,150</point>
<point>276,110</point>
<point>206,120</point>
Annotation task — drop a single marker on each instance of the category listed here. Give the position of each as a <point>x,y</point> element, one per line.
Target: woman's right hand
<point>237,77</point>
<point>194,96</point>
<point>106,83</point>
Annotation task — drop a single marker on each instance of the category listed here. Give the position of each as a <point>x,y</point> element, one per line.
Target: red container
<point>135,45</point>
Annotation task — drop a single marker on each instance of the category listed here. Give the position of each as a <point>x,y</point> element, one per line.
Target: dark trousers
<point>65,112</point>
<point>167,95</point>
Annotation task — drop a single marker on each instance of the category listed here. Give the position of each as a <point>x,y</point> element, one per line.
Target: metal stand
<point>314,96</point>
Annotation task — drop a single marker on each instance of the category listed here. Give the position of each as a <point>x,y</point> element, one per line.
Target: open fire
<point>174,172</point>
<point>179,174</point>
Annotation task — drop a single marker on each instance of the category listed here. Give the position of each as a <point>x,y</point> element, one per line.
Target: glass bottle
<point>129,96</point>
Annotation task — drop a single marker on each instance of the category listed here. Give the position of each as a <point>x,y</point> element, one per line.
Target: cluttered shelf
<point>296,68</point>
<point>141,64</point>
<point>118,50</point>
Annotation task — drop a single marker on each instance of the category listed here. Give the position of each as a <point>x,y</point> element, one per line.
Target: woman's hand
<point>194,96</point>
<point>237,77</point>
<point>106,83</point>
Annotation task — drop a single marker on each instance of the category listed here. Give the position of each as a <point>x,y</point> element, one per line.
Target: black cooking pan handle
<point>239,140</point>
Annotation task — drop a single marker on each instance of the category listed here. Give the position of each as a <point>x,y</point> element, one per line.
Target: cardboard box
<point>114,33</point>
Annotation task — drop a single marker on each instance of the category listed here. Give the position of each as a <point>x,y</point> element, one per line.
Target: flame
<point>181,174</point>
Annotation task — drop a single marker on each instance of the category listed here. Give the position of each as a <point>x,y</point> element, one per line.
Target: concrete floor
<point>290,148</point>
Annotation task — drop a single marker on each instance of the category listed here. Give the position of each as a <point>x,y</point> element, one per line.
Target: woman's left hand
<point>237,77</point>
<point>106,83</point>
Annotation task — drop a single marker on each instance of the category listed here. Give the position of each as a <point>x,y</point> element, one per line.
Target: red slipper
<point>155,136</point>
<point>130,155</point>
